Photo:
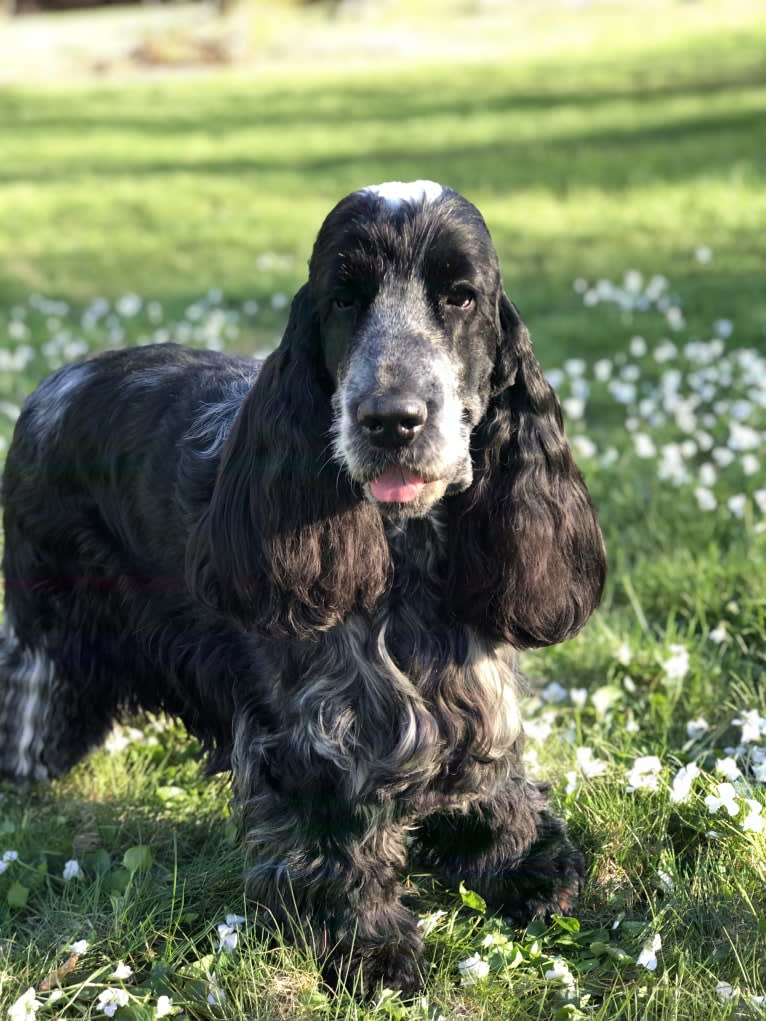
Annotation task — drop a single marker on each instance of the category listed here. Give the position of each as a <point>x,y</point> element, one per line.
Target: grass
<point>594,149</point>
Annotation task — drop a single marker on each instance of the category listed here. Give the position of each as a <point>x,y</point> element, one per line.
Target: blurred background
<point>164,151</point>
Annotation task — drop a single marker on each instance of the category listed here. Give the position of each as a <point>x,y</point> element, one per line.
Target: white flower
<point>121,737</point>
<point>644,445</point>
<point>279,300</point>
<point>572,781</point>
<point>583,446</point>
<point>554,692</point>
<point>725,798</point>
<point>630,373</point>
<point>574,407</point>
<point>723,457</point>
<point>753,726</point>
<point>671,467</point>
<point>228,937</point>
<point>164,1006</point>
<point>580,285</point>
<point>429,922</point>
<point>72,869</point>
<point>760,499</point>
<point>589,765</point>
<point>644,774</point>
<point>705,442</point>
<point>676,666</point>
<point>3,867</point>
<point>602,370</point>
<point>580,387</point>
<point>122,971</point>
<point>743,437</point>
<point>728,768</point>
<point>540,729</point>
<point>472,970</point>
<point>681,787</point>
<point>110,1000</point>
<point>737,504</point>
<point>560,973</point>
<point>696,728</point>
<point>637,347</point>
<point>665,351</point>
<point>719,634</point>
<point>705,498</point>
<point>666,881</point>
<point>574,366</point>
<point>675,318</point>
<point>604,698</point>
<point>623,392</point>
<point>753,821</point>
<point>9,856</point>
<point>578,697</point>
<point>25,1008</point>
<point>623,654</point>
<point>648,956</point>
<point>128,305</point>
<point>750,464</point>
<point>703,254</point>
<point>723,327</point>
<point>725,991</point>
<point>216,997</point>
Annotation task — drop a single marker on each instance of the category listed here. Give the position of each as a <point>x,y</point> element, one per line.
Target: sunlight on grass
<point>622,178</point>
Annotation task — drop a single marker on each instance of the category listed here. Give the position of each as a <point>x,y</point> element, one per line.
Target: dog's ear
<point>287,545</point>
<point>527,560</point>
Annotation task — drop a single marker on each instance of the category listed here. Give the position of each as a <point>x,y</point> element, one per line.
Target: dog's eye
<point>343,302</point>
<point>461,298</point>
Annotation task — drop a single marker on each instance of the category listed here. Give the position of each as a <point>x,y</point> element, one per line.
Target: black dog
<point>324,565</point>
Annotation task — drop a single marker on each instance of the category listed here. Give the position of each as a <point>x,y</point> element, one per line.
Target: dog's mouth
<point>396,485</point>
<point>399,492</point>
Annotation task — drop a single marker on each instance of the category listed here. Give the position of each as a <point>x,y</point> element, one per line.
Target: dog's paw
<point>366,969</point>
<point>547,882</point>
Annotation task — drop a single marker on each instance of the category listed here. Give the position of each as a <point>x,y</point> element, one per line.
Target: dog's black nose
<point>393,420</point>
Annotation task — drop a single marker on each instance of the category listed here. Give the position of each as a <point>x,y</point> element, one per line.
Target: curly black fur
<point>201,534</point>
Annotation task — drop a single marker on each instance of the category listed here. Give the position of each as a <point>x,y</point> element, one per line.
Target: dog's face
<point>406,285</point>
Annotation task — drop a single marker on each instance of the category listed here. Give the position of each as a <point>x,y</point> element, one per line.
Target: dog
<point>325,564</point>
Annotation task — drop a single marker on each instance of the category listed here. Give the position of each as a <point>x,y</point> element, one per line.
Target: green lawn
<point>604,144</point>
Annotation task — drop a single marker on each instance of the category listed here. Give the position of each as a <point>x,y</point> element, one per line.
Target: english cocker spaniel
<point>324,564</point>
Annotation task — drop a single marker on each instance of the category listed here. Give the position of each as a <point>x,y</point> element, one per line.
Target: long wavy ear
<point>527,560</point>
<point>287,545</point>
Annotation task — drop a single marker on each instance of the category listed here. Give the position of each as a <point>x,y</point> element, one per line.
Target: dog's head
<point>407,291</point>
<point>405,378</point>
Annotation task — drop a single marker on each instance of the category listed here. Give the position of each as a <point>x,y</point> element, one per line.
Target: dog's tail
<point>27,677</point>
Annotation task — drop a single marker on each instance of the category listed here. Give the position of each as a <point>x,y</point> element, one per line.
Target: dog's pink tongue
<point>396,486</point>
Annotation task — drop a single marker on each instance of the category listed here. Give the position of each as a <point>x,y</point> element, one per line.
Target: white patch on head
<point>394,193</point>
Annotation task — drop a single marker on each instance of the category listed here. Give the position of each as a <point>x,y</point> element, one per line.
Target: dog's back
<point>111,461</point>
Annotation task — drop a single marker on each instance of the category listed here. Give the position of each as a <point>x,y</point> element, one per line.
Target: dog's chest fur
<point>403,703</point>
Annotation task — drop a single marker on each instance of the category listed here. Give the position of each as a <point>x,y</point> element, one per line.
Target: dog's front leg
<point>326,872</point>
<point>510,848</point>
